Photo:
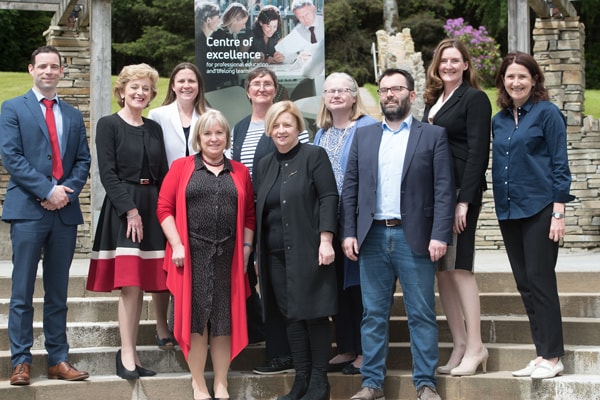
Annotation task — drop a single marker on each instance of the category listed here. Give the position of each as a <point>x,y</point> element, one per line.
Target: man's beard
<point>397,113</point>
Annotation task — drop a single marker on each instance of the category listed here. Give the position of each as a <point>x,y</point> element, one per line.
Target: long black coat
<point>309,202</point>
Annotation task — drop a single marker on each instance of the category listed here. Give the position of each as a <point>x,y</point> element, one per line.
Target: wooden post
<point>100,81</point>
<point>518,26</point>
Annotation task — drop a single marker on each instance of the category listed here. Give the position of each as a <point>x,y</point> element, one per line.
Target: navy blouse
<point>530,169</point>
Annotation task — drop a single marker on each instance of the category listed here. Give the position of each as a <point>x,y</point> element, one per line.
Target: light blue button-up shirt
<point>391,163</point>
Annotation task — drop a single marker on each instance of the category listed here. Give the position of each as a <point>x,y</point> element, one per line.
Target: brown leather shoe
<point>64,370</point>
<point>20,376</point>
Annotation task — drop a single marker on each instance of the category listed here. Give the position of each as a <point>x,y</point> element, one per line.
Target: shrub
<point>485,53</point>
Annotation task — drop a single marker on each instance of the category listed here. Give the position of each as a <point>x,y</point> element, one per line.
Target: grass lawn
<point>13,84</point>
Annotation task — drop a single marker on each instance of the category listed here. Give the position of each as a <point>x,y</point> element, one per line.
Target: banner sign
<point>286,36</point>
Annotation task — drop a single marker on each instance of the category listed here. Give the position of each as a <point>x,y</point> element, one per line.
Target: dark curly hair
<point>266,15</point>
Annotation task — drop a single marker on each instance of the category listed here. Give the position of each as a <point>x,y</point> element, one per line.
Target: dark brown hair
<point>538,92</point>
<point>200,101</point>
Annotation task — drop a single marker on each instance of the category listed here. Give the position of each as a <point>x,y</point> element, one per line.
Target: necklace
<point>217,164</point>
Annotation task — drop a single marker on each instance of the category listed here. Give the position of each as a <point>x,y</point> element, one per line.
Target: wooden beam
<point>30,5</point>
<point>565,7</point>
<point>65,8</point>
<point>542,8</point>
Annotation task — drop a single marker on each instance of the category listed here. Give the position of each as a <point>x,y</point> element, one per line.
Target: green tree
<point>21,33</point>
<point>350,27</point>
<point>159,32</point>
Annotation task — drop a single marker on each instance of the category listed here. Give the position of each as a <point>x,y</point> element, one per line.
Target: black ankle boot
<point>298,388</point>
<point>318,388</point>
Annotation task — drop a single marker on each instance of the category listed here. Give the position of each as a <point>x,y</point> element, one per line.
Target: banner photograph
<point>286,36</point>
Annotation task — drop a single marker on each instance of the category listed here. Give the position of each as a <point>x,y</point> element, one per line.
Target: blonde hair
<point>324,119</point>
<point>206,120</point>
<point>131,72</point>
<point>279,108</point>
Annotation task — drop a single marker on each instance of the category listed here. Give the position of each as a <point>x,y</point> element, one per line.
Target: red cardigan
<point>172,202</point>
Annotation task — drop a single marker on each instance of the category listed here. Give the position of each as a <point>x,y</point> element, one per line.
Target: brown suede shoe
<point>64,370</point>
<point>20,376</point>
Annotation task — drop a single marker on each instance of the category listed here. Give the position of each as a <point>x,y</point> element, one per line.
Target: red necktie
<point>57,168</point>
<point>313,37</point>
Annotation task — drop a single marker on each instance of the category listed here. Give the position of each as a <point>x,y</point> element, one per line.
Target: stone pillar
<point>74,88</point>
<point>559,49</point>
<point>398,51</point>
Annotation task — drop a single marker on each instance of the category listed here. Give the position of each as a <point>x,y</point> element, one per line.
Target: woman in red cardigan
<point>206,210</point>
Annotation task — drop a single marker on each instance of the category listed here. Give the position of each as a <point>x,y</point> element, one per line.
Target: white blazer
<point>168,119</point>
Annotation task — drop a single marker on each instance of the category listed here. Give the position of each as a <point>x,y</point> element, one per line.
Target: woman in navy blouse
<point>531,181</point>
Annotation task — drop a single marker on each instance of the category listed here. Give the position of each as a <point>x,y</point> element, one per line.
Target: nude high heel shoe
<point>469,365</point>
<point>445,369</point>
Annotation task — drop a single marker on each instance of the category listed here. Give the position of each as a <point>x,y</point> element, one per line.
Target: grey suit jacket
<point>27,156</point>
<point>427,190</point>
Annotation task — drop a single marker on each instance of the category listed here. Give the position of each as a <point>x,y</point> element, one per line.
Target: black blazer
<point>467,119</point>
<point>120,148</point>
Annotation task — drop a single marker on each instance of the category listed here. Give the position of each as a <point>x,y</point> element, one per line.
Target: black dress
<point>211,215</point>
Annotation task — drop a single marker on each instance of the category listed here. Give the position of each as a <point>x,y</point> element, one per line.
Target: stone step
<point>494,329</point>
<point>583,360</point>
<point>577,273</point>
<point>508,329</point>
<point>244,386</point>
<point>101,309</point>
<point>488,282</point>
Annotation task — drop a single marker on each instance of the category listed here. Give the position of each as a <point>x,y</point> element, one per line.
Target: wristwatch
<point>557,215</point>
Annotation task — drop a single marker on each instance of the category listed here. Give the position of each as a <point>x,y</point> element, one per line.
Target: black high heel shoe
<point>144,371</point>
<point>123,372</point>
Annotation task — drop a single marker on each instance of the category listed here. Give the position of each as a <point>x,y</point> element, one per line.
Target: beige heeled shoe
<point>445,369</point>
<point>469,365</point>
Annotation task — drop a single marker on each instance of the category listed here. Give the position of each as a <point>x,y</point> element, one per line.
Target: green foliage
<point>21,33</point>
<point>350,27</point>
<point>589,12</point>
<point>493,14</point>
<point>158,32</point>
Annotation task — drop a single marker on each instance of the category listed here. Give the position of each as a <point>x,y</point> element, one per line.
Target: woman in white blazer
<point>183,105</point>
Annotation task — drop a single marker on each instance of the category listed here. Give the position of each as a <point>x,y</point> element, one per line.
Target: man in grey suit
<point>45,150</point>
<point>397,213</point>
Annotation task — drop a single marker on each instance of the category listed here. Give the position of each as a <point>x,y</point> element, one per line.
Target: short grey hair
<point>301,3</point>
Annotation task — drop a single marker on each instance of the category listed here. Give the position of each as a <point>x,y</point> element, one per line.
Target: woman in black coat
<point>453,100</point>
<point>296,210</point>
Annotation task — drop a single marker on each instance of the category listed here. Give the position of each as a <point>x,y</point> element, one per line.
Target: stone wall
<point>74,88</point>
<point>559,49</point>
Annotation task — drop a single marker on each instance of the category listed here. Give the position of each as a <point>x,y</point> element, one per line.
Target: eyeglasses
<point>332,92</point>
<point>395,90</point>
<point>264,85</point>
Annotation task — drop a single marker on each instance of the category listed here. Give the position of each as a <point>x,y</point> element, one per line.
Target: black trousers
<point>276,339</point>
<point>350,308</point>
<point>532,257</point>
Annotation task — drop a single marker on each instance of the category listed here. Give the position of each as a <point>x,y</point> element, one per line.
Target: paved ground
<point>485,261</point>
